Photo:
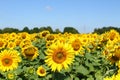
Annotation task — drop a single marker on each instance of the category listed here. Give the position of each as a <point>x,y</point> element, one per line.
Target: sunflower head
<point>117,77</point>
<point>113,34</point>
<point>10,76</point>
<point>114,54</point>
<point>13,36</point>
<point>112,58</point>
<point>25,42</point>
<point>41,71</point>
<point>17,42</point>
<point>30,70</point>
<point>50,37</point>
<point>76,45</point>
<point>117,52</point>
<point>2,43</point>
<point>49,43</point>
<point>11,45</point>
<point>59,56</point>
<point>110,78</point>
<point>61,39</point>
<point>43,34</point>
<point>24,35</point>
<point>9,60</point>
<point>30,52</point>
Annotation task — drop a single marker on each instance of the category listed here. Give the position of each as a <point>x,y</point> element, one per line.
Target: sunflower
<point>77,46</point>
<point>114,55</point>
<point>25,42</point>
<point>12,36</point>
<point>50,37</point>
<point>11,45</point>
<point>110,78</point>
<point>117,77</point>
<point>11,76</point>
<point>9,60</point>
<point>117,51</point>
<point>17,42</point>
<point>24,35</point>
<point>30,52</point>
<point>84,40</point>
<point>59,56</point>
<point>41,71</point>
<point>43,34</point>
<point>113,58</point>
<point>113,34</point>
<point>2,43</point>
<point>48,43</point>
<point>34,36</point>
<point>30,70</point>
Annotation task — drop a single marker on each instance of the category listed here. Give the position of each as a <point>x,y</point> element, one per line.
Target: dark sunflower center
<point>7,62</point>
<point>23,36</point>
<point>59,57</point>
<point>117,53</point>
<point>11,45</point>
<point>29,52</point>
<point>51,37</point>
<point>44,34</point>
<point>112,36</point>
<point>42,71</point>
<point>114,58</point>
<point>76,46</point>
<point>1,44</point>
<point>10,76</point>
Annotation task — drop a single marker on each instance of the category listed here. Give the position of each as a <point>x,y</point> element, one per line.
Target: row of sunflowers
<point>47,56</point>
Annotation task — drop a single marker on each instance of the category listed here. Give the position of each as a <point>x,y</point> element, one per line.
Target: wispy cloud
<point>49,8</point>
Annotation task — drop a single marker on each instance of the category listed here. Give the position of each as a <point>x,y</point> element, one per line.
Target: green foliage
<point>91,66</point>
<point>105,29</point>
<point>26,29</point>
<point>66,29</point>
<point>35,30</point>
<point>57,31</point>
<point>70,30</point>
<point>9,30</point>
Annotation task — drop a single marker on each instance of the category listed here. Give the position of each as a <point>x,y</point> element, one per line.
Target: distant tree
<point>46,28</point>
<point>105,29</point>
<point>10,30</point>
<point>49,29</point>
<point>26,29</point>
<point>70,30</point>
<point>42,29</point>
<point>57,31</point>
<point>0,30</point>
<point>35,30</point>
<point>16,30</point>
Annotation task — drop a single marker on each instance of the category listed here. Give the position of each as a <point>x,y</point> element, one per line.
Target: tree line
<point>66,29</point>
<point>37,29</point>
<point>105,29</point>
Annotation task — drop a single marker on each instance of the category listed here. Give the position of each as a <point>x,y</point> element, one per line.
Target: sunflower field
<point>47,56</point>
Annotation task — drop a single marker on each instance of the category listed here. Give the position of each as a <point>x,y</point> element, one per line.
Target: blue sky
<point>84,15</point>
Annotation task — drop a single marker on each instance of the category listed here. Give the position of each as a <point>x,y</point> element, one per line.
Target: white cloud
<point>48,8</point>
